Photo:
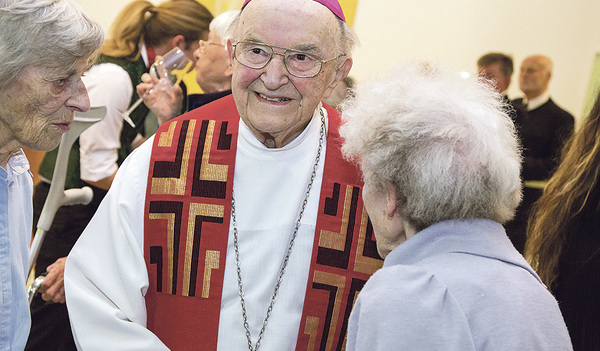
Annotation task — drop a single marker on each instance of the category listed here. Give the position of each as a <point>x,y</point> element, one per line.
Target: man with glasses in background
<point>252,233</point>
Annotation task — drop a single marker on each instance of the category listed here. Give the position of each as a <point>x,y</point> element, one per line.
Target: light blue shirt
<point>460,286</point>
<point>16,217</point>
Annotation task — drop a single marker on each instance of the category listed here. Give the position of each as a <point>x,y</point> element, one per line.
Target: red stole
<point>186,226</point>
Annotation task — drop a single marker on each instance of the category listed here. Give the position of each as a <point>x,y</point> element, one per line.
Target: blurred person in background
<point>543,129</point>
<point>498,69</point>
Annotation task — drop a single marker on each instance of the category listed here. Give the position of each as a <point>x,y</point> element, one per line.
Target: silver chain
<point>287,256</point>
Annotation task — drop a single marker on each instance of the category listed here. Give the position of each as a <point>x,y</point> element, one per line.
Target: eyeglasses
<point>203,44</point>
<point>298,63</point>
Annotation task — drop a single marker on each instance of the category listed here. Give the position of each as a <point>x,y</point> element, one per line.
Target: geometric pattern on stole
<point>344,256</point>
<point>169,178</point>
<point>188,205</point>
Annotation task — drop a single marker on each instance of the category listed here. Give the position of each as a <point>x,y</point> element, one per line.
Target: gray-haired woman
<point>441,167</point>
<point>45,46</point>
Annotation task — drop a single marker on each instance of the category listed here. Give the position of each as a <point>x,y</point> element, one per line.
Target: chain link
<point>289,249</point>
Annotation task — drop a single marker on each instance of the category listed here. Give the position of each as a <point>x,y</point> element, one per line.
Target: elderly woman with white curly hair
<point>441,166</point>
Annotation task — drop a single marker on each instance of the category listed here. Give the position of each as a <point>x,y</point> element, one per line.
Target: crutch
<point>57,195</point>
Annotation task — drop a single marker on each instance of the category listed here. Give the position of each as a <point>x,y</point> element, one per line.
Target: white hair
<point>50,33</point>
<point>445,142</point>
<point>348,40</point>
<point>221,24</point>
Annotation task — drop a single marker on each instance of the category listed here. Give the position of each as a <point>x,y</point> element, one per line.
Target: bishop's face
<point>273,103</point>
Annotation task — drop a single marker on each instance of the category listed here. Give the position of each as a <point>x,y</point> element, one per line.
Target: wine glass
<point>162,68</point>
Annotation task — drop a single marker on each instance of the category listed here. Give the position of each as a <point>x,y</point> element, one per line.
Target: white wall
<point>457,32</point>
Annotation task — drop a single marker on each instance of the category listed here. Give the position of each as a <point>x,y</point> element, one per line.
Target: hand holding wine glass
<point>161,77</point>
<point>164,103</point>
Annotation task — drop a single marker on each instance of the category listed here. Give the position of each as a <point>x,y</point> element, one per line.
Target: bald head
<point>309,10</point>
<point>333,5</point>
<point>535,75</point>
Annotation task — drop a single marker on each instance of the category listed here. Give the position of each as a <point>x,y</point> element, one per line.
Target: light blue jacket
<point>457,285</point>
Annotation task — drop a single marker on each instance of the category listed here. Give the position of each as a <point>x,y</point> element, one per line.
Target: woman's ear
<point>179,41</point>
<point>392,199</point>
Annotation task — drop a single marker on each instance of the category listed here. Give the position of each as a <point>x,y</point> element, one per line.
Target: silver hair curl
<point>56,34</point>
<point>221,24</point>
<point>444,141</point>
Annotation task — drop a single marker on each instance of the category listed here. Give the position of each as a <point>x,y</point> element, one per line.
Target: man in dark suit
<point>543,129</point>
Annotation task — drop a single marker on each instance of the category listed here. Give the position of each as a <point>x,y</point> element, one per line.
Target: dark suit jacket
<point>543,132</point>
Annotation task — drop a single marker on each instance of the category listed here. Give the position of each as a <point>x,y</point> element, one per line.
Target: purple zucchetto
<point>333,5</point>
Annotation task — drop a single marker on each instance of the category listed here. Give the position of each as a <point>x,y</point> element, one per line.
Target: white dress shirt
<point>108,85</point>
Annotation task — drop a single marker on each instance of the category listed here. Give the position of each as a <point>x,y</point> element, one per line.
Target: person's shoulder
<point>403,283</point>
<point>105,67</point>
<point>106,74</point>
<point>413,308</point>
<point>518,102</point>
<point>559,112</point>
<point>140,156</point>
<point>411,292</point>
<point>223,108</point>
<point>108,85</point>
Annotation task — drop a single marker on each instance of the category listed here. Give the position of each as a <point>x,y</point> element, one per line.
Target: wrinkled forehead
<point>300,24</point>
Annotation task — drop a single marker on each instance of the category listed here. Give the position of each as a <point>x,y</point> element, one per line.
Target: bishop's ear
<point>230,49</point>
<point>340,73</point>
